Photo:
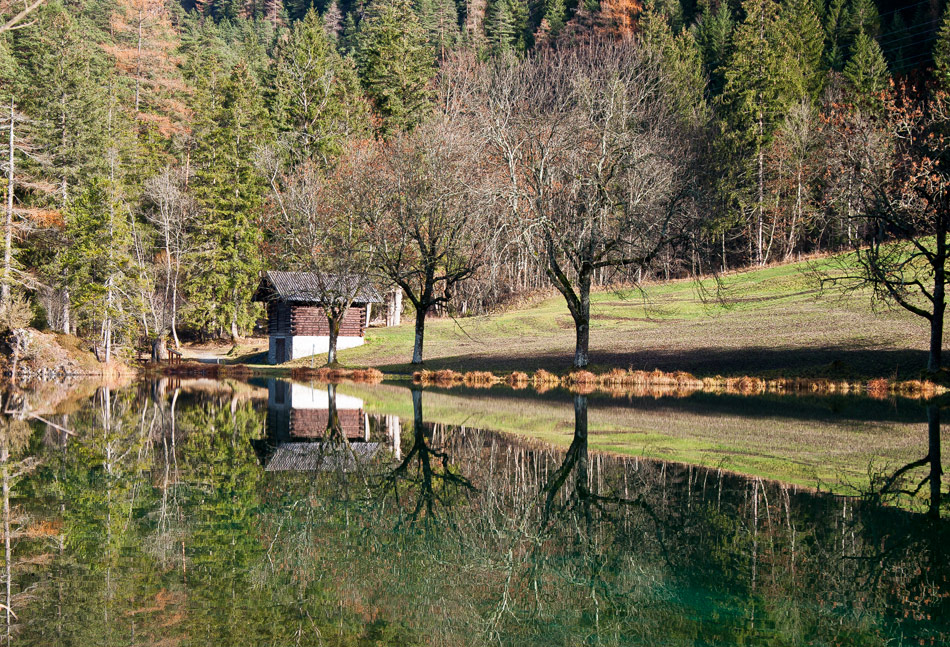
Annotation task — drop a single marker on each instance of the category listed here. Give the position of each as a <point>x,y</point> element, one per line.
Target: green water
<point>272,514</point>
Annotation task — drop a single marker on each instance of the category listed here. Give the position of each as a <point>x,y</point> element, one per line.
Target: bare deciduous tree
<point>321,233</point>
<point>172,212</point>
<point>416,199</point>
<point>592,162</point>
<point>901,163</point>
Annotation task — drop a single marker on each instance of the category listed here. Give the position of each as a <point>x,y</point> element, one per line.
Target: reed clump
<point>336,374</point>
<point>480,379</point>
<point>879,388</point>
<point>443,377</point>
<point>367,375</point>
<point>517,380</point>
<point>544,381</point>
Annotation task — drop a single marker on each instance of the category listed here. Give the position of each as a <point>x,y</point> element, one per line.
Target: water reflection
<point>314,428</point>
<point>157,521</point>
<point>900,482</point>
<point>426,474</point>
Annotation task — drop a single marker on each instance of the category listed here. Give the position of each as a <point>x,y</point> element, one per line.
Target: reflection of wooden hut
<point>296,323</point>
<point>298,411</point>
<point>297,439</point>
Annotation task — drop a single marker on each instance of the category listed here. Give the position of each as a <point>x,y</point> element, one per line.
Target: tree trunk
<point>759,256</point>
<point>175,311</point>
<point>581,314</point>
<point>420,334</point>
<point>159,349</point>
<point>936,342</point>
<point>66,322</point>
<point>334,322</point>
<point>936,468</point>
<point>417,412</point>
<point>234,328</point>
<point>334,428</point>
<point>940,305</point>
<point>8,226</point>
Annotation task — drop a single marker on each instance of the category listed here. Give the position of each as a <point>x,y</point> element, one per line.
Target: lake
<point>201,512</point>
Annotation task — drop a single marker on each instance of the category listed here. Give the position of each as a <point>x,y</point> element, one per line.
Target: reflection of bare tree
<point>426,469</point>
<point>895,483</point>
<point>583,498</point>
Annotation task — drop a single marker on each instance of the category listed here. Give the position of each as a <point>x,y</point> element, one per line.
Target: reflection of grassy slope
<point>767,321</point>
<point>818,447</point>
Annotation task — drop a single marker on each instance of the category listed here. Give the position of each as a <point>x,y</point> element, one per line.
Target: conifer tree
<point>942,52</point>
<point>230,192</point>
<point>714,33</point>
<point>61,86</point>
<point>863,16</point>
<point>761,82</point>
<point>866,72</point>
<point>317,100</point>
<point>502,31</point>
<point>396,64</point>
<point>349,37</point>
<point>555,15</point>
<point>440,18</point>
<point>682,64</point>
<point>806,41</point>
<point>835,28</point>
<point>99,263</point>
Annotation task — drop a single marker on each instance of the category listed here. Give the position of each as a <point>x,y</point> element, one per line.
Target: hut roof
<point>309,287</point>
<point>319,457</point>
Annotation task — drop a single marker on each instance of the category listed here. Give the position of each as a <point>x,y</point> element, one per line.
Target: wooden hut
<point>296,322</point>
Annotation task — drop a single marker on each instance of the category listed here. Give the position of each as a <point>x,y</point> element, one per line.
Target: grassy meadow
<point>826,442</point>
<point>766,322</point>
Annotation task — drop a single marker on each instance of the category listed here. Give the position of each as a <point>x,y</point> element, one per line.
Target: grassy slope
<point>767,321</point>
<point>826,442</point>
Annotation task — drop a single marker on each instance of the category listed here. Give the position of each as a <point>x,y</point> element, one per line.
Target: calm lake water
<point>271,513</point>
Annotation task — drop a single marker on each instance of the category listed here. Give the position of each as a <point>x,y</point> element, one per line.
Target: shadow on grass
<point>835,362</point>
<point>766,406</point>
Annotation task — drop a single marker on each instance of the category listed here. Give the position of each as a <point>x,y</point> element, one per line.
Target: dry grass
<point>517,380</point>
<point>623,383</point>
<point>443,378</point>
<point>480,379</point>
<point>333,375</point>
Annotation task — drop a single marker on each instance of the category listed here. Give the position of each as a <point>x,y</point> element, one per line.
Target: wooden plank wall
<point>312,423</point>
<point>278,318</point>
<point>311,320</point>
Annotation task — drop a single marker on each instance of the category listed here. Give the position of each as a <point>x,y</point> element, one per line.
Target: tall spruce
<point>440,19</point>
<point>714,33</point>
<point>942,52</point>
<point>318,104</point>
<point>834,23</point>
<point>99,264</point>
<point>761,82</point>
<point>806,42</point>
<point>62,89</point>
<point>230,192</point>
<point>866,72</point>
<point>681,61</point>
<point>396,64</point>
